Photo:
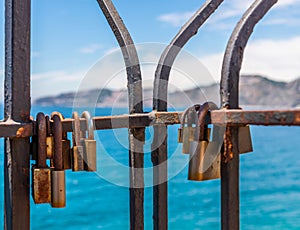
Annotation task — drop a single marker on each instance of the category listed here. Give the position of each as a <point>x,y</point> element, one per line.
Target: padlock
<point>245,141</point>
<point>89,144</point>
<point>77,149</point>
<point>49,140</point>
<point>41,173</point>
<point>66,149</point>
<point>188,130</point>
<point>204,161</point>
<point>58,184</point>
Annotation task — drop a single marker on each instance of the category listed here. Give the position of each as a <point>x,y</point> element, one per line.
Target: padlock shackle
<point>48,126</point>
<point>64,134</point>
<point>57,137</point>
<point>76,129</point>
<point>204,109</point>
<point>187,113</point>
<point>41,140</point>
<point>89,125</point>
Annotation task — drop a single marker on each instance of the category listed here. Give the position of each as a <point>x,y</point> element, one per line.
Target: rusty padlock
<point>49,141</point>
<point>41,173</point>
<point>89,144</point>
<point>58,188</point>
<point>66,149</point>
<point>77,149</point>
<point>203,165</point>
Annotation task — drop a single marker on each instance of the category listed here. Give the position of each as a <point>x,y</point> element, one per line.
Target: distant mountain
<point>254,90</point>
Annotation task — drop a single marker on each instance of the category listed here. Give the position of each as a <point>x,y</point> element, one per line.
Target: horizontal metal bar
<point>230,117</point>
<point>15,129</point>
<point>256,117</point>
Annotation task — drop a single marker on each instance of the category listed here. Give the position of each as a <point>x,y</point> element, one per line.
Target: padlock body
<point>77,159</point>
<point>50,147</point>
<point>186,139</point>
<point>203,167</point>
<point>41,185</point>
<point>245,141</point>
<point>89,153</point>
<point>66,152</point>
<point>58,199</point>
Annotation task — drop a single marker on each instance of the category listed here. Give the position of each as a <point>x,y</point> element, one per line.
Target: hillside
<point>254,90</point>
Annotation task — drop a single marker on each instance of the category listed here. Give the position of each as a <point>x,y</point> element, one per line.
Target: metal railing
<point>17,126</point>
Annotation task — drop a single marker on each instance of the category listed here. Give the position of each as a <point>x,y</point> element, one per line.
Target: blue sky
<point>68,37</point>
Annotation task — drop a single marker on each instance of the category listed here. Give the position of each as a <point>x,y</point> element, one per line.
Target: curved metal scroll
<point>235,49</point>
<point>162,73</point>
<point>130,56</point>
<point>230,99</point>
<point>135,93</point>
<point>160,92</point>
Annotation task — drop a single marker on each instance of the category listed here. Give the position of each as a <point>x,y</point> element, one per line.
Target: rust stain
<point>23,131</point>
<point>228,147</point>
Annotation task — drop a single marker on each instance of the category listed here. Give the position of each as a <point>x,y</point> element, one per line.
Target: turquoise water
<point>270,186</point>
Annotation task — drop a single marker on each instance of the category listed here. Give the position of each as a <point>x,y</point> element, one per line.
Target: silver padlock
<point>89,144</point>
<point>188,128</point>
<point>77,149</point>
<point>58,188</point>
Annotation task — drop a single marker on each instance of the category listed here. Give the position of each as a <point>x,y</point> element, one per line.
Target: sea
<point>269,184</point>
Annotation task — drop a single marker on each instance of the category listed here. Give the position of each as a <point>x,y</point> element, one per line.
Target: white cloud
<point>229,10</point>
<point>175,19</point>
<point>35,54</point>
<point>285,3</point>
<point>53,82</point>
<point>278,60</point>
<point>90,49</point>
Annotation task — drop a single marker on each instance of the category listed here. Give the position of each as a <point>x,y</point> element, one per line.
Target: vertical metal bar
<point>136,136</point>
<point>17,107</point>
<point>230,98</point>
<point>160,91</point>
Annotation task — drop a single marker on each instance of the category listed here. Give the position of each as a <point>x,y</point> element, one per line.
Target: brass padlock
<point>89,144</point>
<point>77,149</point>
<point>58,188</point>
<point>204,161</point>
<point>245,141</point>
<point>41,173</point>
<point>66,149</point>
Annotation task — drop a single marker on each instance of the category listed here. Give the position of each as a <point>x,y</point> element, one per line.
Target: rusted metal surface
<point>41,140</point>
<point>17,107</point>
<point>256,117</point>
<point>57,136</point>
<point>41,174</point>
<point>235,49</point>
<point>160,92</point>
<point>229,91</point>
<point>204,110</point>
<point>15,129</point>
<point>232,117</point>
<point>135,95</point>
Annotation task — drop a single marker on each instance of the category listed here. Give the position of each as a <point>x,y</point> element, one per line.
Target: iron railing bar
<point>17,107</point>
<point>230,117</point>
<point>230,211</point>
<point>160,91</point>
<point>135,96</point>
